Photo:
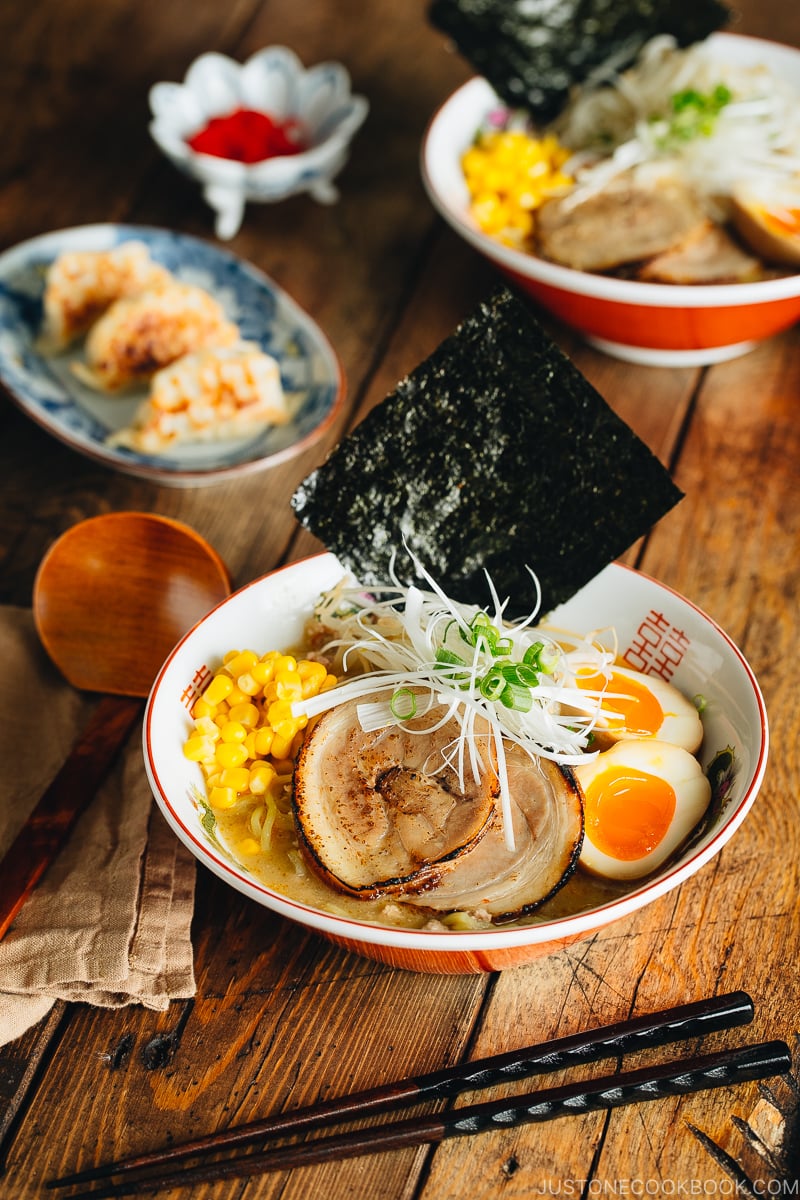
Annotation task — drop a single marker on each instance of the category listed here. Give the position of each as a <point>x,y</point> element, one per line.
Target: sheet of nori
<point>496,453</point>
<point>533,51</point>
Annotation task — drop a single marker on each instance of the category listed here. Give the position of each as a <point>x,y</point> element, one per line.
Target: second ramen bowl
<point>652,323</point>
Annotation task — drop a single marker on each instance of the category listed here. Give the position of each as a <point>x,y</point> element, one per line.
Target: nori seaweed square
<point>533,51</point>
<point>495,453</point>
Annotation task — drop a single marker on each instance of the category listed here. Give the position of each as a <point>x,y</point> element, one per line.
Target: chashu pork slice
<point>711,258</point>
<point>547,819</point>
<point>623,223</point>
<point>376,811</point>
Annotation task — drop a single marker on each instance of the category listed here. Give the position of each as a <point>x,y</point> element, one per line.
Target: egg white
<point>671,763</point>
<point>680,725</point>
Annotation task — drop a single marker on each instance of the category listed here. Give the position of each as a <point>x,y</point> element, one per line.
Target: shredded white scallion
<point>470,662</point>
<point>627,121</point>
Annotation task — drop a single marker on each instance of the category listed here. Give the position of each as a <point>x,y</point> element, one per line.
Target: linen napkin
<point>110,922</point>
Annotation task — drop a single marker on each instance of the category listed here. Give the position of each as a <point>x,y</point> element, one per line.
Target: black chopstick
<point>653,1029</point>
<point>612,1091</point>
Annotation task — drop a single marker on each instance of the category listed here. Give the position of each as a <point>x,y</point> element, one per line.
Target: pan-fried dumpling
<point>210,396</point>
<point>140,334</point>
<point>81,284</point>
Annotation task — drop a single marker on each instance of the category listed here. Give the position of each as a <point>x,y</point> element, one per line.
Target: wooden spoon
<point>111,598</point>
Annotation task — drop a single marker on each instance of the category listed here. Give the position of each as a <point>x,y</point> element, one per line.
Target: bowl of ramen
<point>658,214</point>
<point>434,786</point>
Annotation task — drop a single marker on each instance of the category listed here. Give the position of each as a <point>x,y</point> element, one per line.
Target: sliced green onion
<point>548,659</point>
<point>517,697</point>
<point>403,704</point>
<point>531,655</point>
<point>503,646</point>
<point>493,684</point>
<point>481,630</point>
<point>449,658</point>
<point>526,675</point>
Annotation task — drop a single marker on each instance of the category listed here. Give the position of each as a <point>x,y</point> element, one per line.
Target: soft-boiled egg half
<point>642,799</point>
<point>634,705</point>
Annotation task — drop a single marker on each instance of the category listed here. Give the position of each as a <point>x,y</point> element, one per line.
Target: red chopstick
<point>653,1029</point>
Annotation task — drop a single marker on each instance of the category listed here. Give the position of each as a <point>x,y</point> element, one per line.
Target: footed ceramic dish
<point>272,81</point>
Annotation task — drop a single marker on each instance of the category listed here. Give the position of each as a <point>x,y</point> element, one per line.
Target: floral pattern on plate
<point>45,387</point>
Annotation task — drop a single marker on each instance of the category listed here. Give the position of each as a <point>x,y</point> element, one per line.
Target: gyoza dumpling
<point>81,284</point>
<point>140,334</point>
<point>211,396</point>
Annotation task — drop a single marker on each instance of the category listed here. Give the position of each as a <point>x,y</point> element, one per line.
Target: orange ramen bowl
<point>658,631</point>
<point>651,323</point>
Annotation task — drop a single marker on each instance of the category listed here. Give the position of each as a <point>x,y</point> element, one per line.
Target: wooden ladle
<point>112,597</point>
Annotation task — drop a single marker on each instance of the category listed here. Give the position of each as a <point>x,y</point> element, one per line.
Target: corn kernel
<point>233,731</point>
<point>247,684</point>
<point>330,681</point>
<point>262,672</point>
<point>281,746</point>
<point>198,747</point>
<point>249,744</point>
<point>206,726</point>
<point>241,663</point>
<point>245,713</point>
<point>219,689</point>
<point>230,754</point>
<point>202,708</point>
<point>278,712</point>
<point>286,662</point>
<point>248,846</point>
<point>263,740</point>
<point>289,689</point>
<point>222,797</point>
<point>260,778</point>
<point>237,778</point>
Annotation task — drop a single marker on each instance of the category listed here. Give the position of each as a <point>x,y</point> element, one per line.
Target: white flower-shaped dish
<point>272,81</point>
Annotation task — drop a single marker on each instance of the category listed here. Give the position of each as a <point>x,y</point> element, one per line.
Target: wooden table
<point>281,1017</point>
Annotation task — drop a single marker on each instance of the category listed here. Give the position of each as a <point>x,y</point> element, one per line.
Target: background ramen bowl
<point>272,81</point>
<point>270,614</point>
<point>657,324</point>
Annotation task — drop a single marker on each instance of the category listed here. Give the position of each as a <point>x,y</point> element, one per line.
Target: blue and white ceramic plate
<point>48,391</point>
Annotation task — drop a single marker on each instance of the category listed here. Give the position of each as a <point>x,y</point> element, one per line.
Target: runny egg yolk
<point>785,221</point>
<point>635,707</point>
<point>628,812</point>
<point>642,799</point>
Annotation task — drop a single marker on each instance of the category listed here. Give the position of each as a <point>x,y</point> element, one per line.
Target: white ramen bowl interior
<point>655,324</point>
<point>272,81</point>
<point>654,624</point>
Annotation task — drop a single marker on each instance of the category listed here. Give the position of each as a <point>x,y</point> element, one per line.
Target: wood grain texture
<point>281,1018</point>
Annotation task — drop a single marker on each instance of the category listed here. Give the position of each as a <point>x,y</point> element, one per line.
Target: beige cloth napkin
<point>110,922</point>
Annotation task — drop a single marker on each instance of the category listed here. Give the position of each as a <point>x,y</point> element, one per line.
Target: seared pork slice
<point>621,224</point>
<point>377,810</point>
<point>547,818</point>
<point>713,257</point>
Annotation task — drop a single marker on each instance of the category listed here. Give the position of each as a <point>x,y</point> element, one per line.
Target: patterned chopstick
<point>624,1037</point>
<point>674,1078</point>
